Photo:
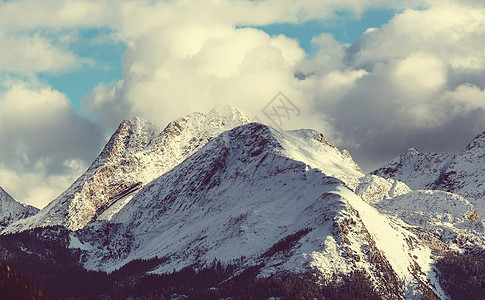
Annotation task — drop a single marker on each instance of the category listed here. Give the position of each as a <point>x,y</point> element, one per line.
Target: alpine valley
<point>216,207</point>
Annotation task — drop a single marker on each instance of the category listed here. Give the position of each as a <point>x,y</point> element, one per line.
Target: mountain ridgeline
<point>214,206</point>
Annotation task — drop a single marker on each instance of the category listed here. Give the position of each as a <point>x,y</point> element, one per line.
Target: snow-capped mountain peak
<point>132,135</point>
<point>214,187</point>
<point>416,169</point>
<point>136,154</point>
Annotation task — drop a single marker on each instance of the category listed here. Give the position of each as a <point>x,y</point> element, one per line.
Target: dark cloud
<point>372,152</point>
<point>52,141</point>
<point>43,143</point>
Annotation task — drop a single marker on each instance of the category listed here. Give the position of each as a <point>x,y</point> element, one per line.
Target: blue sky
<point>106,65</point>
<point>346,28</point>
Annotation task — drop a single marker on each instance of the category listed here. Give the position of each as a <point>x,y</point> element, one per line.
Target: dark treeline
<point>14,285</point>
<point>463,275</point>
<point>43,258</point>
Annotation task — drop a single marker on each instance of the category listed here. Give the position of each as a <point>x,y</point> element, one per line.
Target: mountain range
<point>265,213</point>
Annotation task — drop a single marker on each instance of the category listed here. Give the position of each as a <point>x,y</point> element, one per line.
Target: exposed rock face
<point>136,154</point>
<point>466,173</point>
<point>11,210</point>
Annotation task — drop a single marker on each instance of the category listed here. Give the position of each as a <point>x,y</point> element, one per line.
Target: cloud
<point>43,143</point>
<point>180,60</point>
<point>166,76</point>
<point>450,31</point>
<point>463,101</point>
<point>150,15</point>
<point>34,53</point>
<point>35,35</point>
<point>422,84</point>
<point>37,187</point>
<point>54,14</point>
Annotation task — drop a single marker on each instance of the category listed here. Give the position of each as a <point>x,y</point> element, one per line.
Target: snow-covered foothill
<point>427,207</point>
<point>449,217</point>
<point>374,189</point>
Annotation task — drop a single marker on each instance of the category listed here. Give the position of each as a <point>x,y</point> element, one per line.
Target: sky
<point>375,76</point>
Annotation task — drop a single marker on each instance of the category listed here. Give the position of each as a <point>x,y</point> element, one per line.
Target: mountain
<point>136,154</point>
<point>281,202</point>
<point>460,173</point>
<point>11,210</point>
<point>213,206</point>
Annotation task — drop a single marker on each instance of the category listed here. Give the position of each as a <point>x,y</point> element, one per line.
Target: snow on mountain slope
<point>426,207</point>
<point>305,145</point>
<point>136,154</point>
<point>460,173</point>
<point>448,219</point>
<point>261,196</point>
<point>11,210</point>
<point>373,189</point>
<point>418,170</point>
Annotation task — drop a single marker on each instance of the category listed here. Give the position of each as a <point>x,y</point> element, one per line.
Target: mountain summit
<point>136,154</point>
